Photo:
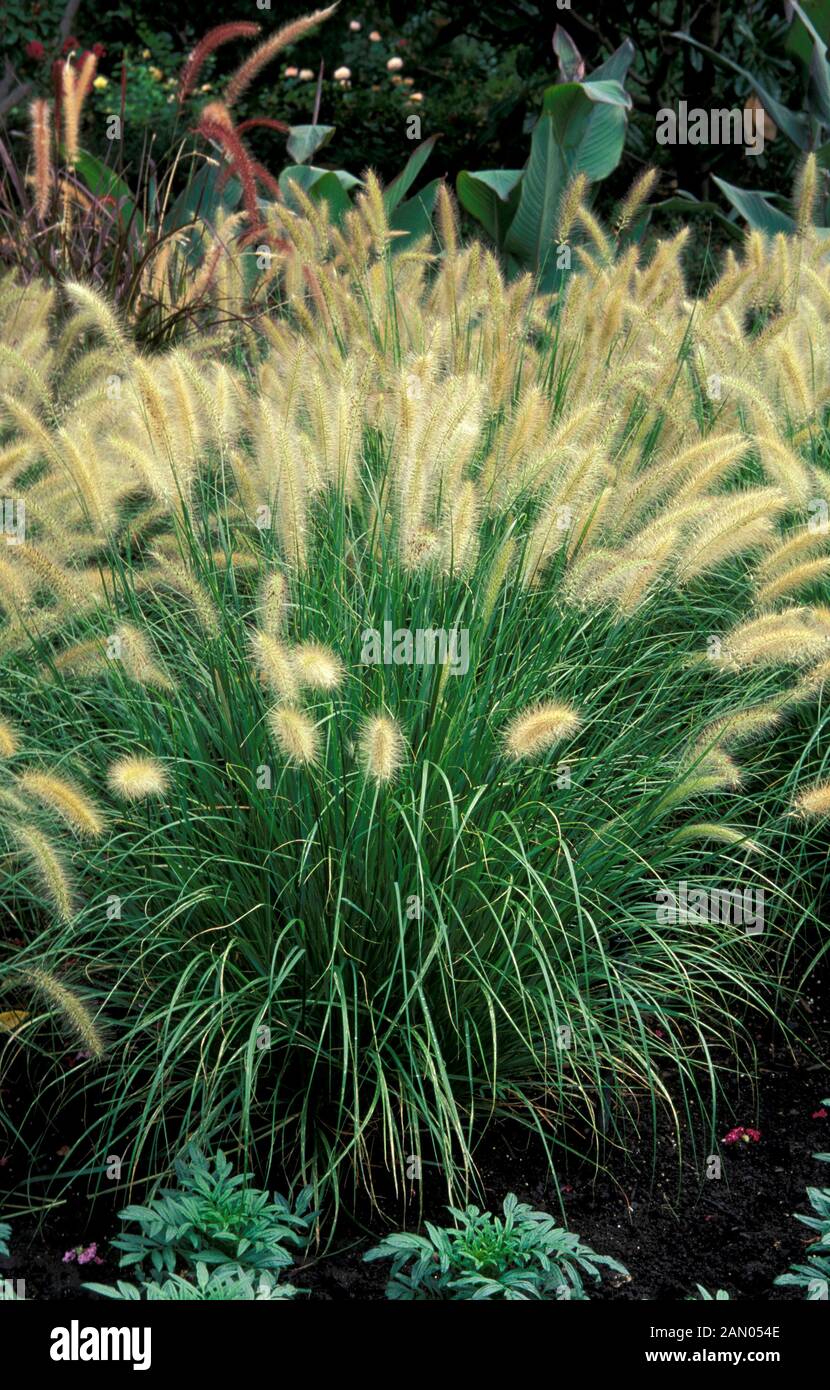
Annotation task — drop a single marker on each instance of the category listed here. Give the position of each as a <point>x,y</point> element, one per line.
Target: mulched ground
<point>669,1226</point>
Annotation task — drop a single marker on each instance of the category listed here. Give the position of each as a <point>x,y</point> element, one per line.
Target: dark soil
<point>664,1220</point>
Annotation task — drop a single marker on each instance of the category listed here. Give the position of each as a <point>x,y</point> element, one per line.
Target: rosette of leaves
<point>213,1218</point>
<point>520,1256</point>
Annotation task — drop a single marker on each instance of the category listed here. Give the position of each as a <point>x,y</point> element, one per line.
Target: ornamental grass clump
<point>406,657</point>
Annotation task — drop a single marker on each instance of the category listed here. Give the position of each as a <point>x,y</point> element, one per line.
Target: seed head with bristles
<point>180,578</point>
<point>273,597</point>
<point>275,665</point>
<point>243,77</point>
<point>66,800</point>
<point>137,778</point>
<point>94,307</point>
<point>797,577</point>
<point>805,195</point>
<point>213,39</point>
<point>813,802</point>
<point>791,638</point>
<point>634,199</point>
<point>318,667</point>
<point>140,663</point>
<point>381,748</point>
<point>741,726</point>
<point>537,729</point>
<point>8,740</point>
<point>42,150</point>
<point>295,735</point>
<point>461,539</point>
<point>716,830</point>
<point>70,1006</point>
<point>716,771</point>
<point>446,219</point>
<point>76,86</point>
<point>570,205</point>
<point>43,856</point>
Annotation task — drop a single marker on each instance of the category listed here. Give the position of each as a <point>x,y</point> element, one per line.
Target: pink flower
<point>35,49</point>
<point>83,1256</point>
<point>71,42</point>
<point>99,50</point>
<point>819,1114</point>
<point>741,1135</point>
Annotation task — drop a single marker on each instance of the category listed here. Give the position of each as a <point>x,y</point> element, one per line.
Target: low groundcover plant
<point>213,1218</point>
<point>522,1256</point>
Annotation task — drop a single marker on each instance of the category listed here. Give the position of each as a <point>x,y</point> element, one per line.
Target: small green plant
<point>523,1256</point>
<point>213,1218</point>
<point>225,1284</point>
<point>814,1274</point>
<point>5,1232</point>
<point>704,1296</point>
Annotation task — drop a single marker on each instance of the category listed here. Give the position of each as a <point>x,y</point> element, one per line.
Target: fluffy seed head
<point>295,734</point>
<point>273,597</point>
<point>41,148</point>
<point>136,652</point>
<point>72,805</point>
<point>813,801</point>
<point>45,859</point>
<point>180,578</point>
<point>741,726</point>
<point>8,740</point>
<point>137,779</point>
<point>539,728</point>
<point>318,667</point>
<point>288,34</point>
<point>792,638</point>
<point>275,665</point>
<point>70,1006</point>
<point>213,39</point>
<point>381,748</point>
